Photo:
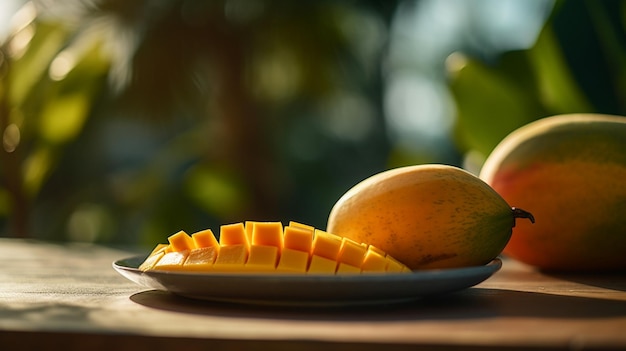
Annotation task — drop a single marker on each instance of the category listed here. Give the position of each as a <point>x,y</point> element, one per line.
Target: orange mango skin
<point>426,216</point>
<point>570,172</point>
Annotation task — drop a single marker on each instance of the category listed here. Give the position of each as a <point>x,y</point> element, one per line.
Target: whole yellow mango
<point>571,170</point>
<point>427,216</point>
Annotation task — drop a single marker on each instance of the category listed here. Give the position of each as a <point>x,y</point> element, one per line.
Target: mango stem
<point>519,213</point>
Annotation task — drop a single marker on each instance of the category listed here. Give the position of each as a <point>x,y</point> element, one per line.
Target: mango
<point>426,216</point>
<point>571,170</point>
<point>267,247</point>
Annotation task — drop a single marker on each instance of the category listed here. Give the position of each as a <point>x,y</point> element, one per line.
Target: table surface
<point>68,296</point>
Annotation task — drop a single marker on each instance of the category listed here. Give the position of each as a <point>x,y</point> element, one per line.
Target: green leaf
<point>492,101</point>
<point>558,89</point>
<point>30,68</point>
<point>62,118</point>
<point>37,167</point>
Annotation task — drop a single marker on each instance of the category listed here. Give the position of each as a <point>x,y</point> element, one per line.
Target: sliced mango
<point>326,245</point>
<point>231,257</point>
<point>321,264</point>
<point>181,241</point>
<point>233,234</point>
<point>201,259</point>
<point>267,233</point>
<point>153,258</point>
<point>262,258</point>
<point>171,261</point>
<point>205,238</point>
<point>374,261</point>
<point>294,261</point>
<point>351,253</point>
<point>268,247</point>
<point>300,239</point>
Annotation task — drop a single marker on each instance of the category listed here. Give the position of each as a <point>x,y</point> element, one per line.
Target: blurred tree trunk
<point>240,129</point>
<point>10,163</point>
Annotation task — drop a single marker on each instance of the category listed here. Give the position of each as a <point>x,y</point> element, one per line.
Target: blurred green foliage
<point>577,65</point>
<point>126,121</point>
<point>132,120</point>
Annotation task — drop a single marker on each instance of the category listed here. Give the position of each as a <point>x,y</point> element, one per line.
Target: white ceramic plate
<point>309,289</point>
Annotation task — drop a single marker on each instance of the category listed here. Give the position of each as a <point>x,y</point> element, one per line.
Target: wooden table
<point>68,297</point>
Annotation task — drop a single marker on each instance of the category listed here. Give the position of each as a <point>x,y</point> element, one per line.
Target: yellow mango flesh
<point>231,256</point>
<point>326,245</point>
<point>300,239</point>
<point>172,260</point>
<point>201,259</point>
<point>233,234</point>
<point>205,238</point>
<point>268,247</point>
<point>181,241</point>
<point>293,261</point>
<point>262,258</point>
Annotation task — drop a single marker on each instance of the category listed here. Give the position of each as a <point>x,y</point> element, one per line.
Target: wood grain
<point>64,296</point>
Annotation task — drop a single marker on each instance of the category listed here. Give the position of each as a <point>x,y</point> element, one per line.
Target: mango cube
<point>326,245</point>
<point>159,248</point>
<point>351,252</point>
<point>233,234</point>
<point>267,233</point>
<point>205,238</point>
<point>262,258</point>
<point>393,265</point>
<point>377,250</point>
<point>293,261</point>
<point>248,227</point>
<point>374,262</point>
<point>301,225</point>
<point>270,248</point>
<point>151,260</point>
<point>297,238</point>
<point>181,241</point>
<point>201,259</point>
<point>231,257</point>
<point>344,268</point>
<point>172,260</point>
<point>321,264</point>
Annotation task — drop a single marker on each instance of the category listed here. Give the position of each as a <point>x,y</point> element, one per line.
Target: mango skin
<point>426,216</point>
<point>571,170</point>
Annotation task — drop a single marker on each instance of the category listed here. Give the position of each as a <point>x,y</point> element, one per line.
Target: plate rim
<point>309,290</point>
<point>493,266</point>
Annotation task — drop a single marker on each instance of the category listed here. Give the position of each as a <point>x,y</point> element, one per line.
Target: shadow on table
<point>474,303</point>
<point>611,281</point>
